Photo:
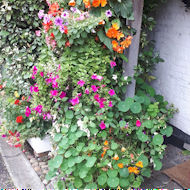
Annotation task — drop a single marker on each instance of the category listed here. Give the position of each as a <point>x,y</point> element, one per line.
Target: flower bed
<point>101,139</point>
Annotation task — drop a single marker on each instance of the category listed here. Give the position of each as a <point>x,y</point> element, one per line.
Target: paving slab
<point>172,157</point>
<point>19,168</point>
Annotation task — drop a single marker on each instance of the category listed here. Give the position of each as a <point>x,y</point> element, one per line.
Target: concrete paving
<point>5,179</point>
<point>158,180</point>
<point>19,168</point>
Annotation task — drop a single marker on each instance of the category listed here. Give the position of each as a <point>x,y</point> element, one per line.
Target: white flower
<point>126,77</point>
<point>155,133</point>
<point>93,31</point>
<point>114,77</point>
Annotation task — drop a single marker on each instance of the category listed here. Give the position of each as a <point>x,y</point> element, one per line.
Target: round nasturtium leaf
<point>123,106</point>
<point>146,172</point>
<point>148,124</point>
<point>112,173</point>
<point>58,137</point>
<point>142,137</point>
<point>124,172</point>
<point>69,114</point>
<point>122,123</point>
<point>158,139</point>
<point>167,131</point>
<point>91,161</point>
<point>102,179</point>
<point>113,181</point>
<point>136,107</point>
<point>91,186</point>
<point>157,164</point>
<point>123,182</point>
<point>57,161</point>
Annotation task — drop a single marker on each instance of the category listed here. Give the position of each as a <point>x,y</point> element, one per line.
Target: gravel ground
<point>5,180</point>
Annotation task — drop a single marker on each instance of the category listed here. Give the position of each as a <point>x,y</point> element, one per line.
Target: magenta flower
<point>27,112</point>
<point>87,91</point>
<point>94,88</point>
<point>79,94</point>
<point>38,109</point>
<point>41,14</point>
<point>35,89</point>
<point>62,95</point>
<point>48,81</point>
<point>138,123</point>
<point>54,84</point>
<point>81,83</point>
<point>4,135</point>
<point>41,74</point>
<point>34,70</point>
<point>94,77</point>
<point>112,64</point>
<point>111,92</point>
<point>110,104</point>
<point>101,104</point>
<point>54,92</point>
<point>99,78</point>
<point>75,101</point>
<point>102,125</point>
<point>97,97</point>
<point>31,89</point>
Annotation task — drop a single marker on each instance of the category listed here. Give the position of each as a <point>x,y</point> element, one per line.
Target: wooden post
<point>133,51</point>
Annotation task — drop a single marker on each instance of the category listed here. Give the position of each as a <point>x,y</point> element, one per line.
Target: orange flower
<point>115,44</point>
<point>120,35</point>
<point>106,143</point>
<point>139,164</point>
<point>103,3</point>
<point>23,98</point>
<point>119,49</point>
<point>72,3</point>
<point>127,42</point>
<point>102,22</point>
<point>112,33</point>
<point>96,3</point>
<point>103,154</point>
<point>87,4</point>
<point>116,157</point>
<point>53,8</point>
<point>136,170</point>
<point>133,170</point>
<point>120,165</point>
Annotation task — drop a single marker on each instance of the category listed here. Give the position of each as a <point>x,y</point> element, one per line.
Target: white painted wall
<point>172,36</point>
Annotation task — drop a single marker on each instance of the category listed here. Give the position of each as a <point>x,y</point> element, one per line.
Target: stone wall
<point>172,36</point>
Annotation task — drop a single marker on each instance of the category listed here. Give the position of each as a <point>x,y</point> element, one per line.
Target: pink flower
<point>79,94</point>
<point>62,95</point>
<point>31,89</point>
<point>75,101</point>
<point>87,91</point>
<point>138,123</point>
<point>81,83</point>
<point>28,111</point>
<point>102,125</point>
<point>101,105</point>
<point>38,109</point>
<point>35,89</point>
<point>99,78</point>
<point>41,74</point>
<point>38,33</point>
<point>110,104</point>
<point>94,88</point>
<point>97,97</point>
<point>54,92</point>
<point>112,64</point>
<point>111,92</point>
<point>94,77</point>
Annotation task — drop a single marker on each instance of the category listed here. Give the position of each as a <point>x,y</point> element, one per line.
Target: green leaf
<point>136,184</point>
<point>123,106</point>
<point>167,131</point>
<point>63,141</point>
<point>123,56</point>
<point>57,161</point>
<point>146,172</point>
<point>144,160</point>
<point>58,137</point>
<point>61,185</point>
<point>71,162</point>
<point>112,173</point>
<point>88,178</point>
<point>69,114</point>
<point>102,179</point>
<point>142,137</point>
<point>113,181</point>
<point>136,107</point>
<point>104,39</point>
<point>124,172</point>
<point>90,161</point>
<point>68,154</point>
<point>78,183</point>
<point>157,164</point>
<point>124,182</point>
<point>114,145</point>
<point>148,124</point>
<point>158,139</point>
<point>91,186</point>
<point>122,123</point>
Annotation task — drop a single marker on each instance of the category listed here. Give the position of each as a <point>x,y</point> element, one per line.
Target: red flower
<point>67,44</point>
<point>1,87</point>
<point>17,145</point>
<point>19,119</point>
<point>52,35</point>
<point>17,102</point>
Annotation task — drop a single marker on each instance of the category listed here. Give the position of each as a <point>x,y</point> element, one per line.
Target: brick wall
<point>172,36</point>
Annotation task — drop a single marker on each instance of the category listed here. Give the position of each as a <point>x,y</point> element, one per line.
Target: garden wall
<point>172,35</point>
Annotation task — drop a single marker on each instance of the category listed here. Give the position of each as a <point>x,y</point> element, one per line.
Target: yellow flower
<point>106,143</point>
<point>115,25</point>
<point>134,170</point>
<point>139,164</point>
<point>123,149</point>
<point>16,94</point>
